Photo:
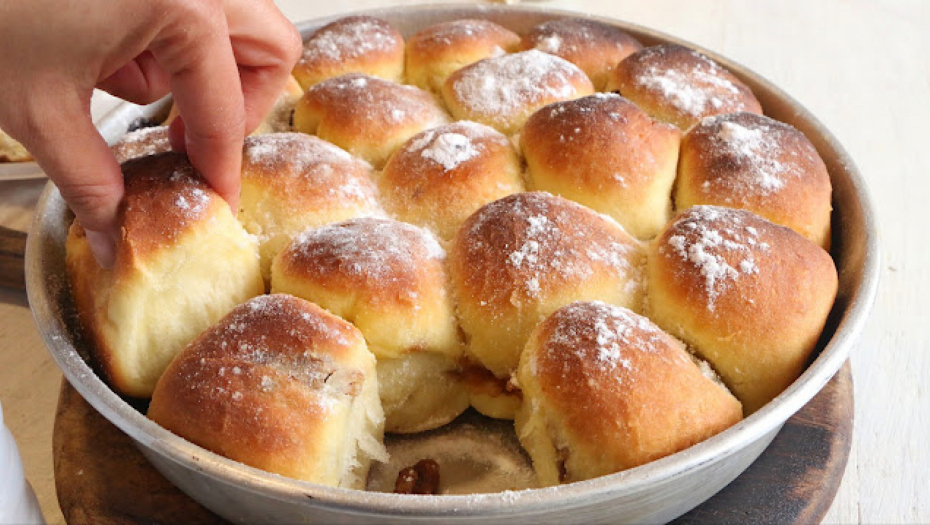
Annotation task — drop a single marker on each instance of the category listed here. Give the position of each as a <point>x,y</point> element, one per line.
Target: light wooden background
<point>863,69</point>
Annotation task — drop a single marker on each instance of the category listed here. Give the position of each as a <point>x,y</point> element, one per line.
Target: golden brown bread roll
<point>593,46</point>
<point>749,296</point>
<point>752,162</point>
<point>367,116</point>
<point>182,262</point>
<point>680,86</point>
<point>354,44</point>
<point>504,91</point>
<point>294,181</point>
<point>281,385</point>
<point>441,176</point>
<point>11,150</point>
<point>518,259</point>
<point>437,51</point>
<point>604,390</point>
<point>141,143</point>
<point>387,278</point>
<point>604,152</point>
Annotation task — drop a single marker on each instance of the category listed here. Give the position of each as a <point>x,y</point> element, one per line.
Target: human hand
<point>224,61</point>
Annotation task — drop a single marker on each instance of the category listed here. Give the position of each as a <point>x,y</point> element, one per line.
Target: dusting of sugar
<point>351,39</point>
<point>616,333</point>
<point>755,142</point>
<point>706,237</point>
<point>544,242</point>
<point>445,33</point>
<point>450,150</point>
<point>549,44</point>
<point>369,247</point>
<point>502,86</point>
<point>697,88</point>
<point>365,99</point>
<point>322,165</point>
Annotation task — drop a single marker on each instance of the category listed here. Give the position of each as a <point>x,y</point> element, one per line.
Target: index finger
<point>197,55</point>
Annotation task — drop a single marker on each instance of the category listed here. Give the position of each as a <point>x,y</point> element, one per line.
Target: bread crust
<point>593,46</point>
<point>749,296</point>
<point>367,116</point>
<point>680,86</point>
<point>353,44</point>
<point>441,176</point>
<point>755,163</point>
<point>519,258</point>
<point>173,227</point>
<point>502,92</point>
<point>605,153</point>
<point>605,390</point>
<point>437,51</point>
<point>273,385</point>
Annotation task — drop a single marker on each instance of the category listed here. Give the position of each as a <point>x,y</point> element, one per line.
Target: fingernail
<point>103,248</point>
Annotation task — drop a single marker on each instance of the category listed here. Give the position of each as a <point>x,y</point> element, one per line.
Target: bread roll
<point>593,46</point>
<point>141,143</point>
<point>441,176</point>
<point>280,385</point>
<point>368,117</point>
<point>182,262</point>
<point>437,51</point>
<point>11,150</point>
<point>504,91</point>
<point>604,390</point>
<point>604,152</point>
<point>518,259</point>
<point>388,279</point>
<point>749,296</point>
<point>354,44</point>
<point>680,86</point>
<point>293,181</point>
<point>752,162</point>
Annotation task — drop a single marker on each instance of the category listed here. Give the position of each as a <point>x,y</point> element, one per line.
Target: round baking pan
<point>653,493</point>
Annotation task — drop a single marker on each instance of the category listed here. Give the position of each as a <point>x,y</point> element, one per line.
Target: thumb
<point>75,157</point>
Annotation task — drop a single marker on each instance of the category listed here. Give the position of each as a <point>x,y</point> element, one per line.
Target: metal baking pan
<point>484,451</point>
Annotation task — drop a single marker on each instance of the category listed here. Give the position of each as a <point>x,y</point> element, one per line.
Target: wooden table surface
<point>862,68</point>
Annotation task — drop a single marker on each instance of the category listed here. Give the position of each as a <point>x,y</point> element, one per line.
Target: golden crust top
<point>530,245</point>
<point>593,46</point>
<point>678,85</point>
<point>441,176</point>
<point>753,162</point>
<point>616,387</point>
<point>600,142</point>
<point>163,197</point>
<point>366,116</point>
<point>393,262</point>
<point>300,168</point>
<point>503,91</point>
<point>446,38</point>
<point>361,44</point>
<point>261,385</point>
<point>735,266</point>
<point>435,52</point>
<point>369,106</point>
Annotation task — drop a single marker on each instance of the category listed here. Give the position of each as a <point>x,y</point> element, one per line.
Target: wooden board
<point>103,479</point>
